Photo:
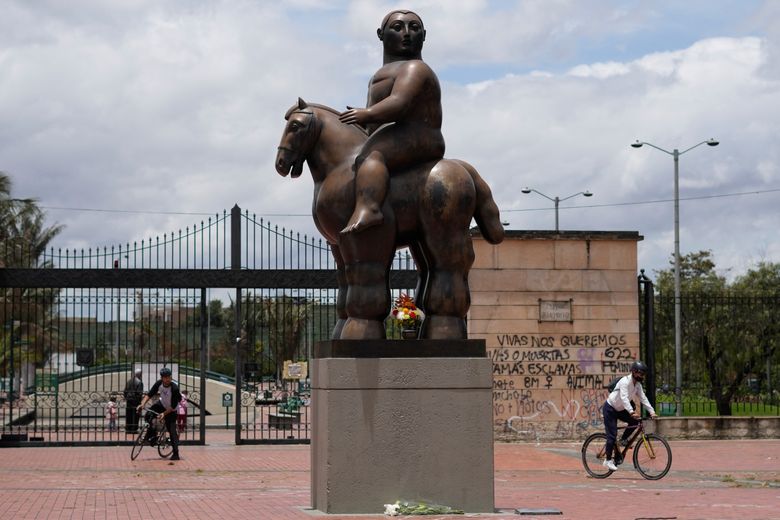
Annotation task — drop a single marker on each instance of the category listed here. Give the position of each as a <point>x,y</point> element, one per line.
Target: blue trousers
<point>611,417</point>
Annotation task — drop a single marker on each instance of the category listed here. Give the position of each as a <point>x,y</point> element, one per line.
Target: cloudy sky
<point>132,118</point>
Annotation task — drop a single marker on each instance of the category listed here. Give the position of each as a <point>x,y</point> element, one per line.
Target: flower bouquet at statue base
<point>407,315</point>
<point>410,508</point>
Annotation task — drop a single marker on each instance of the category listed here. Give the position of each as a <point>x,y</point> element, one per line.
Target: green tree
<point>216,313</point>
<point>26,312</point>
<point>763,280</point>
<point>273,329</point>
<point>697,273</point>
<point>23,233</point>
<point>727,328</point>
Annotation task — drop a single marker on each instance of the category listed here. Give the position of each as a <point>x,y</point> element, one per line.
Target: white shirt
<point>625,390</point>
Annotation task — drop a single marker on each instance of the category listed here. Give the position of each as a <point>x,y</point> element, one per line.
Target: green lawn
<point>707,408</point>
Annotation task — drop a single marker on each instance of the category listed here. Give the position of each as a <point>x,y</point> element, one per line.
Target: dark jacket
<point>175,393</point>
<point>134,389</point>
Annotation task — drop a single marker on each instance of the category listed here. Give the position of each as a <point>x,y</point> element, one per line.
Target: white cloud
<point>566,133</point>
<point>600,70</point>
<point>178,107</point>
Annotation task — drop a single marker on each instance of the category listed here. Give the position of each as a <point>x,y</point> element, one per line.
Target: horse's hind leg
<point>416,249</point>
<point>447,297</point>
<point>448,251</point>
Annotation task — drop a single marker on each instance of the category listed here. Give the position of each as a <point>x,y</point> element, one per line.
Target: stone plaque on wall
<point>555,310</point>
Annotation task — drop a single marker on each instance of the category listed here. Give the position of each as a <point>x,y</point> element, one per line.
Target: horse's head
<point>298,138</point>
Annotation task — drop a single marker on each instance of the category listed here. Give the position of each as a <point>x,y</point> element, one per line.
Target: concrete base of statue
<point>401,420</point>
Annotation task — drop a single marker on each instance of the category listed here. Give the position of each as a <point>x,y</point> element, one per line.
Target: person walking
<point>133,392</point>
<point>170,396</point>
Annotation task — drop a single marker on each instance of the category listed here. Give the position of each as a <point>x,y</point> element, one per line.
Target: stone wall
<point>559,313</point>
<point>719,427</point>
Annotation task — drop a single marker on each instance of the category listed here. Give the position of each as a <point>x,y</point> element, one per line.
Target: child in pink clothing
<point>111,413</point>
<point>181,412</point>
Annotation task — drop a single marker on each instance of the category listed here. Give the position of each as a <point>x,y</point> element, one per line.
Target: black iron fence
<point>233,304</point>
<point>729,351</point>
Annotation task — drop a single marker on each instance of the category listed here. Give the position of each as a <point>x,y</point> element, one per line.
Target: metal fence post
<point>235,263</point>
<point>647,336</point>
<point>203,346</point>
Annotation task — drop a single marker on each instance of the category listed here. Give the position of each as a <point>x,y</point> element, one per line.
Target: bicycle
<point>652,455</point>
<point>162,440</point>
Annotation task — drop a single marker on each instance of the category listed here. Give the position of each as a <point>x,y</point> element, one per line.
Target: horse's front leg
<point>341,298</point>
<point>366,267</point>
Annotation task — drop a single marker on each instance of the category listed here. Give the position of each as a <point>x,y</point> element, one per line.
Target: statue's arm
<point>407,86</point>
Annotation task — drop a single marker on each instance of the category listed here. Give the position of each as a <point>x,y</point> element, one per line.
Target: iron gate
<point>77,323</point>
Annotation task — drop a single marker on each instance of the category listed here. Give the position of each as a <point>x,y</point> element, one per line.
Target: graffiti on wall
<point>554,385</point>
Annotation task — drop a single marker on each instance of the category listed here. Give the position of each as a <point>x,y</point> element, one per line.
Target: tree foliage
<point>730,330</point>
<point>273,330</point>
<point>26,312</point>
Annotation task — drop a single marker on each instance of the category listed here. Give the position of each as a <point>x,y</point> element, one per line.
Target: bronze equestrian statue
<point>380,183</point>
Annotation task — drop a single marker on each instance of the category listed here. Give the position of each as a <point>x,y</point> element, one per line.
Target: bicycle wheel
<point>139,443</point>
<point>652,457</point>
<point>164,446</point>
<point>593,455</point>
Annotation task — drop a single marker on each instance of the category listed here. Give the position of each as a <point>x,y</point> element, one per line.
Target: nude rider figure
<point>403,117</point>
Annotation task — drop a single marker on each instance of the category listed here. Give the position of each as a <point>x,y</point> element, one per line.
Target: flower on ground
<point>391,509</point>
<point>405,507</point>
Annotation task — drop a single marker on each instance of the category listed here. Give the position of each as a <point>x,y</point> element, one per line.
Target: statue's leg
<point>421,262</point>
<point>390,149</point>
<point>366,267</point>
<point>341,299</point>
<point>447,246</point>
<point>371,180</point>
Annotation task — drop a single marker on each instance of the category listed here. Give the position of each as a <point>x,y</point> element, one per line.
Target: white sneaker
<point>609,464</point>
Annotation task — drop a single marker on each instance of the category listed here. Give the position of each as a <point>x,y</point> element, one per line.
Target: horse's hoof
<point>444,327</point>
<point>358,328</point>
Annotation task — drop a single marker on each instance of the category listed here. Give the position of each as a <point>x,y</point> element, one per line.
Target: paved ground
<point>709,480</point>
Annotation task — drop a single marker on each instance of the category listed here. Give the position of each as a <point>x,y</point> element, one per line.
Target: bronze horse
<point>428,208</point>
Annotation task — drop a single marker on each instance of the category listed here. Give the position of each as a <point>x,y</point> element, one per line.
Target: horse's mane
<point>326,109</point>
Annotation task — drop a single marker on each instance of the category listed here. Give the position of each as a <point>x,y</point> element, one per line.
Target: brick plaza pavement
<point>220,481</point>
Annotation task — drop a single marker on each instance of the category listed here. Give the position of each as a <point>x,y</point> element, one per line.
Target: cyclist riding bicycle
<point>169,398</point>
<point>619,406</point>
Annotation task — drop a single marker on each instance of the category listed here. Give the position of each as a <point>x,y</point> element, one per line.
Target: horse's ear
<point>301,104</point>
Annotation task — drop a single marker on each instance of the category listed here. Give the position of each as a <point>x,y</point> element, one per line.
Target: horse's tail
<point>486,212</point>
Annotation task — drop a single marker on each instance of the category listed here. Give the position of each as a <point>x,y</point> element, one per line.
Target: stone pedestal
<point>408,420</point>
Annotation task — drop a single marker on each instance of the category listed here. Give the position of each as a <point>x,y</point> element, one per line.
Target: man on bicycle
<point>166,407</point>
<point>619,406</point>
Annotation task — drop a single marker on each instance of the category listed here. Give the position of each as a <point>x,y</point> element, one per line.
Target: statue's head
<point>402,32</point>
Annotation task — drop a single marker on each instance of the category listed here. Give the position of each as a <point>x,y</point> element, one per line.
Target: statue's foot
<point>360,328</point>
<point>363,218</point>
<point>444,327</point>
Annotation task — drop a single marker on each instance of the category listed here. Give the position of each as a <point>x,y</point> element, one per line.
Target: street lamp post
<point>677,304</point>
<point>556,200</point>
